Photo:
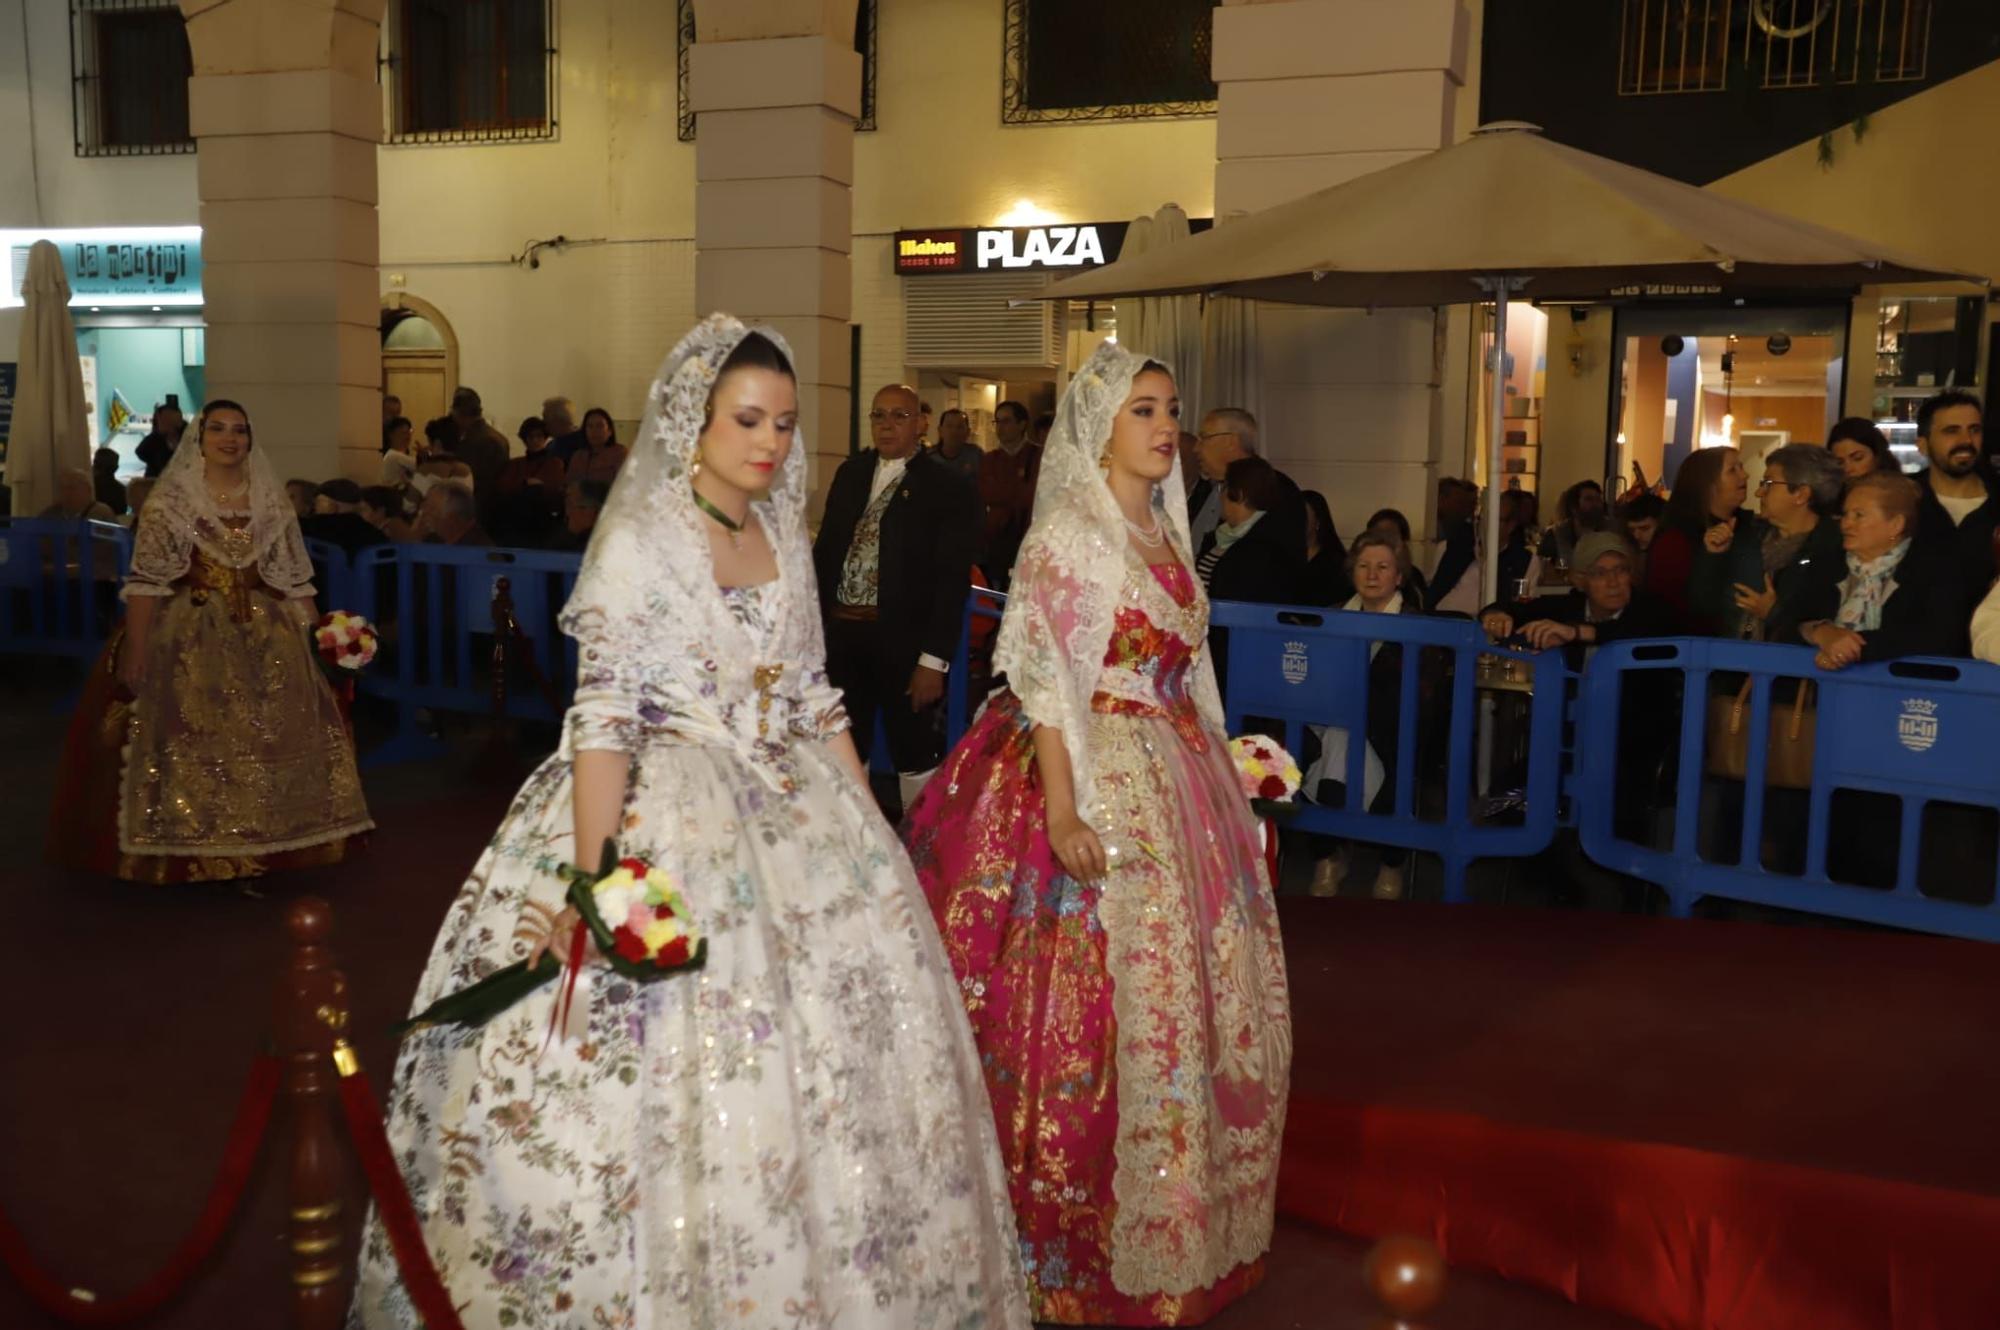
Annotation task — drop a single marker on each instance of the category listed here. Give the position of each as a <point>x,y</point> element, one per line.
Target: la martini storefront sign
<point>140,267</point>
<point>1012,248</point>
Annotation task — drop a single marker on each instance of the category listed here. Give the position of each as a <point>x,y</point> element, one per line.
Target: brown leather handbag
<point>1788,754</point>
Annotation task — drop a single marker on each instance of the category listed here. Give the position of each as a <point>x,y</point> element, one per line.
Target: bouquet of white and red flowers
<point>1270,779</point>
<point>633,912</point>
<point>1269,774</point>
<point>345,641</point>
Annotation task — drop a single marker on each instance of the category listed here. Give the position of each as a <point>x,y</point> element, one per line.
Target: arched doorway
<point>419,356</point>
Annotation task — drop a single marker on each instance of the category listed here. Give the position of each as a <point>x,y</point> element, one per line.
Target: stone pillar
<point>776,87</point>
<point>1312,93</point>
<point>286,115</point>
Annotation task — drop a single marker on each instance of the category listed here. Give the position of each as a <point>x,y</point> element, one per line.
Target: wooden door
<point>422,380</point>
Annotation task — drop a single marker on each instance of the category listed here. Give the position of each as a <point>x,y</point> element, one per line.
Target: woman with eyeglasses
<point>1799,541</point>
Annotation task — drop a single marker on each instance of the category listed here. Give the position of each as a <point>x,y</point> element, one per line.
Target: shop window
<point>1113,60</point>
<point>470,71</point>
<point>129,63</point>
<point>864,46</point>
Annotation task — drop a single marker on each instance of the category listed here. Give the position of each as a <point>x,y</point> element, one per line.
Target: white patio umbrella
<point>1505,213</point>
<point>50,432</point>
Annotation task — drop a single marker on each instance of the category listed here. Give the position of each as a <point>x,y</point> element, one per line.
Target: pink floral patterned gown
<point>1135,1033</point>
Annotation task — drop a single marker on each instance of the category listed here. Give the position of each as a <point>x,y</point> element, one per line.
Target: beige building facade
<point>567,263</point>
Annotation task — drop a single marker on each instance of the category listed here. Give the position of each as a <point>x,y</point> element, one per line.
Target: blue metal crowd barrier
<point>332,575</point>
<point>1920,730</point>
<point>59,584</point>
<point>433,605</point>
<point>1299,667</point>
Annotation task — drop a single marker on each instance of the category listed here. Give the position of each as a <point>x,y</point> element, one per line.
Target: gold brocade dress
<point>233,759</point>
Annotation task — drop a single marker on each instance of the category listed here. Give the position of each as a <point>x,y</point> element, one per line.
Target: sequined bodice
<point>1155,640</point>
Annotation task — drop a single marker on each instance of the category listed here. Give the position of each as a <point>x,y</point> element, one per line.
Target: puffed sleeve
<point>822,711</point>
<point>604,716</point>
<point>160,555</point>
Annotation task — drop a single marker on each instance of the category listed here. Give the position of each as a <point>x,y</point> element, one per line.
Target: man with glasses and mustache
<point>1228,434</point>
<point>1960,509</point>
<point>894,560</point>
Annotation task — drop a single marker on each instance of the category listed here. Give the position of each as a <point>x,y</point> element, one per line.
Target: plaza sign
<point>151,267</point>
<point>1012,248</point>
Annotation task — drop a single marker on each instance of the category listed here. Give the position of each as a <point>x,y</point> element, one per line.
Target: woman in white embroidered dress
<point>794,1136</point>
<point>1095,872</point>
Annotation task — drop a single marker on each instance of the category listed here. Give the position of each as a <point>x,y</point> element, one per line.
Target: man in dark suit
<point>894,559</point>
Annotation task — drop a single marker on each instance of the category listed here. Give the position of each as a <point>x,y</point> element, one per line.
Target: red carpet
<point>1703,1126</point>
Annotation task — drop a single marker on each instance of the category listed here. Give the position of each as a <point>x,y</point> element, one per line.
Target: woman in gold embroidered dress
<point>1095,873</point>
<point>207,744</point>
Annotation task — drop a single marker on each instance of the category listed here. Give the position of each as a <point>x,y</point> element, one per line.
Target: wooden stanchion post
<point>500,749</point>
<point>312,1010</point>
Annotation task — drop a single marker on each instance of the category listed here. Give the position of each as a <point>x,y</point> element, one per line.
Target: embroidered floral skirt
<point>1135,1034</point>
<point>233,761</point>
<point>795,1137</point>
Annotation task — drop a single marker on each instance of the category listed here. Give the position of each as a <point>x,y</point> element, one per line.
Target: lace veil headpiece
<point>1073,563</point>
<point>648,581</point>
<point>181,516</point>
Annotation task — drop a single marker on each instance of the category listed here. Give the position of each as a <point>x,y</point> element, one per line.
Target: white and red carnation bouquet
<point>629,908</point>
<point>1270,778</point>
<point>345,641</point>
<point>1269,774</point>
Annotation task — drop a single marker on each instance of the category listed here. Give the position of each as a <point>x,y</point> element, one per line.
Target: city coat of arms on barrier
<point>1294,662</point>
<point>1917,727</point>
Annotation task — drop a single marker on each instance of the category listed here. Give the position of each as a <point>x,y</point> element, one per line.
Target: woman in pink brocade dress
<point>1098,880</point>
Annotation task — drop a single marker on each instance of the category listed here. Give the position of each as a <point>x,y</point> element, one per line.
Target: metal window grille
<point>1673,46</point>
<point>1113,60</point>
<point>1676,46</point>
<point>470,71</point>
<point>129,70</point>
<point>864,46</point>
<point>1813,43</point>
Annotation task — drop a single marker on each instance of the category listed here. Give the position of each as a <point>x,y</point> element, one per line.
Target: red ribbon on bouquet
<point>560,1016</point>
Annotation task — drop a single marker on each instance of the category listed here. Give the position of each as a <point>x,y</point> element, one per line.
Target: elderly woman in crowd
<point>1391,522</point>
<point>1861,449</point>
<point>1707,543</point>
<point>1378,565</point>
<point>1247,558</point>
<point>1900,597</point>
<point>1799,542</point>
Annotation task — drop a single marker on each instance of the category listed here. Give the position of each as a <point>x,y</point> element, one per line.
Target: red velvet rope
<point>246,1134</point>
<point>392,1205</point>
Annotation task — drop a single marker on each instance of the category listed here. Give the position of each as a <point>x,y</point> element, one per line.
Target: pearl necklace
<point>1153,538</point>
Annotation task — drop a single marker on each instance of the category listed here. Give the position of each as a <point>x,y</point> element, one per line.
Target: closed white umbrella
<point>1165,326</point>
<point>51,432</point>
<point>1230,367</point>
<point>1134,321</point>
